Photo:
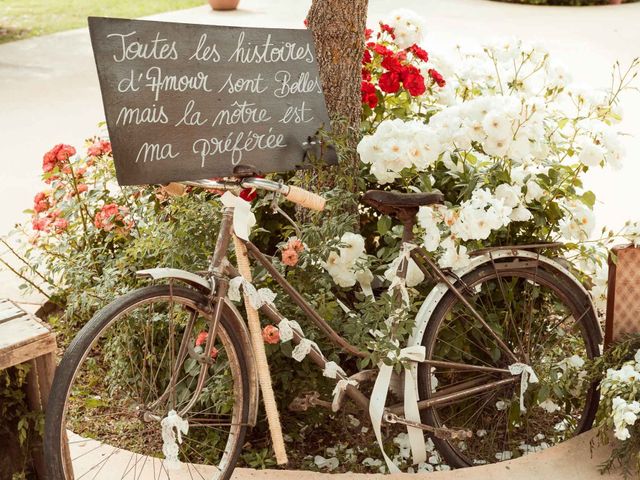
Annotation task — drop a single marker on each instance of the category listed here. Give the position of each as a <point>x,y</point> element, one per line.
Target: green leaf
<point>384,224</point>
<point>588,198</point>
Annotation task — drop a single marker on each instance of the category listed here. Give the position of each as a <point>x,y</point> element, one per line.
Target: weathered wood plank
<point>10,314</point>
<point>41,346</point>
<point>17,332</point>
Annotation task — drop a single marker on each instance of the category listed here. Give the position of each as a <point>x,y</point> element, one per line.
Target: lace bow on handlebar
<point>243,217</point>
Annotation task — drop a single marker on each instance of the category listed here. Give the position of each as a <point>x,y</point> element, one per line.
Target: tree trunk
<point>338,31</point>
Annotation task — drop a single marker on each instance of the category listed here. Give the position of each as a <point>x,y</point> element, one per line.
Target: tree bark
<point>338,31</point>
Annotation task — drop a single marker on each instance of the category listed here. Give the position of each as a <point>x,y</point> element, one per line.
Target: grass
<point>28,18</point>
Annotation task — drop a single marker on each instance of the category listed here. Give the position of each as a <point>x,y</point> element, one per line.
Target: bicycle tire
<point>83,342</point>
<point>451,450</point>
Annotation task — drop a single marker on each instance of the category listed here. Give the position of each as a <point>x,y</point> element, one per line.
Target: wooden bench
<point>24,338</point>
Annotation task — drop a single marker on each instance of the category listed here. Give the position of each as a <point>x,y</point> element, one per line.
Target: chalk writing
<point>193,101</point>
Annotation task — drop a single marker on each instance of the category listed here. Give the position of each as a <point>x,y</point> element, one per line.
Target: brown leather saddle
<point>404,206</point>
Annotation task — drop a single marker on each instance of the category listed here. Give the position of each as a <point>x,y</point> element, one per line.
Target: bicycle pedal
<point>439,432</point>
<point>305,400</point>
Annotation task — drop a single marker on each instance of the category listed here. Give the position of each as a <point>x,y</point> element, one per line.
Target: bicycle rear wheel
<point>135,361</point>
<point>547,321</point>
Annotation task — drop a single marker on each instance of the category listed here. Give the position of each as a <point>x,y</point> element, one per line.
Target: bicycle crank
<point>306,400</point>
<point>443,433</point>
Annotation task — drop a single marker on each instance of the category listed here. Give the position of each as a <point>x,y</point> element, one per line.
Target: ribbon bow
<point>257,298</point>
<point>392,271</point>
<point>170,441</point>
<point>527,375</point>
<point>243,217</point>
<point>338,392</point>
<point>303,349</point>
<point>287,327</point>
<point>415,353</point>
<point>332,369</point>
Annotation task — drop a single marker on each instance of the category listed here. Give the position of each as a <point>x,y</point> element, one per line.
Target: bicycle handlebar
<point>294,194</point>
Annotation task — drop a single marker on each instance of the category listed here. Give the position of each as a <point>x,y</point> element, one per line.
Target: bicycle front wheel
<point>548,322</point>
<point>137,360</point>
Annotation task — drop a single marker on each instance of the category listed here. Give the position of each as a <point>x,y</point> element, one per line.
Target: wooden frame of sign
<point>186,102</point>
<point>623,293</point>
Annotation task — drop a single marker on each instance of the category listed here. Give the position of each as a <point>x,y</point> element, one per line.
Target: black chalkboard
<point>186,101</point>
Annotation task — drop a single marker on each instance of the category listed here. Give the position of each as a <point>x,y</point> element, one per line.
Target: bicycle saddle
<point>395,203</point>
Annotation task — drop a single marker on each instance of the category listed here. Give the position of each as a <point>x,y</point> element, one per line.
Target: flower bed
<point>500,131</point>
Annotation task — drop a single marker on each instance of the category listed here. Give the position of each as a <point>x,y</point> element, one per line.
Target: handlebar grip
<point>305,198</point>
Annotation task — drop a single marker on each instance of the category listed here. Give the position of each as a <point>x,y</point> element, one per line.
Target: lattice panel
<point>623,306</point>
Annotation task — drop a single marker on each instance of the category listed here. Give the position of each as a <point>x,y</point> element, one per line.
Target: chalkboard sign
<point>186,102</point>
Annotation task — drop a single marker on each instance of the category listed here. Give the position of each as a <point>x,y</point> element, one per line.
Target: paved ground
<point>570,460</point>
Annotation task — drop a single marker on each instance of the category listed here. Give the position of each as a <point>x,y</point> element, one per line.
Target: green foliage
<point>18,422</point>
<point>23,19</point>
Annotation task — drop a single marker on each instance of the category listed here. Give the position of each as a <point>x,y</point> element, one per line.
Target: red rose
<point>379,49</point>
<point>366,74</point>
<point>391,63</point>
<point>386,28</point>
<point>366,58</point>
<point>437,78</point>
<point>419,52</point>
<point>41,202</point>
<point>367,33</point>
<point>369,94</point>
<point>248,194</point>
<point>271,334</point>
<point>389,82</point>
<point>413,81</point>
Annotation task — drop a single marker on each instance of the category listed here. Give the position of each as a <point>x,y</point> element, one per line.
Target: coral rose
<point>41,202</point>
<point>290,257</point>
<point>271,334</point>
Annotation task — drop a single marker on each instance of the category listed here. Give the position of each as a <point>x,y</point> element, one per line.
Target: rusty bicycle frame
<point>221,270</point>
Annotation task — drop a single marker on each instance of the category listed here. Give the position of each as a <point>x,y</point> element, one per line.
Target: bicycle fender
<point>439,291</point>
<point>196,281</point>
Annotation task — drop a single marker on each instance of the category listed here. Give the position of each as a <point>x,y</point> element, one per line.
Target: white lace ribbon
<point>243,217</point>
<point>303,349</point>
<point>415,353</point>
<point>332,369</point>
<point>287,327</point>
<point>364,278</point>
<point>339,390</point>
<point>257,298</point>
<point>396,281</point>
<point>172,429</point>
<point>527,376</point>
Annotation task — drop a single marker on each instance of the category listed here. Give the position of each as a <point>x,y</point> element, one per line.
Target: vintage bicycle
<point>164,381</point>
